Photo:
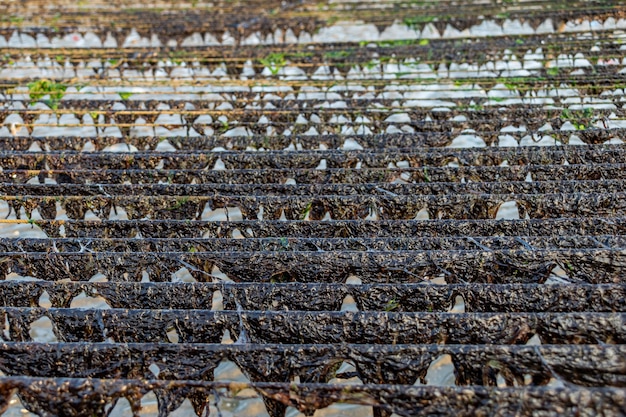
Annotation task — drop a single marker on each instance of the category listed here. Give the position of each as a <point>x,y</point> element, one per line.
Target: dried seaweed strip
<point>288,104</point>
<point>69,396</point>
<point>414,243</point>
<point>487,298</point>
<point>202,326</point>
<point>329,176</point>
<point>435,135</point>
<point>177,25</point>
<point>429,188</point>
<point>344,55</point>
<point>604,154</point>
<point>286,111</point>
<point>260,141</point>
<point>503,266</point>
<point>354,207</point>
<point>381,364</point>
<point>425,328</point>
<point>337,228</point>
<point>323,296</point>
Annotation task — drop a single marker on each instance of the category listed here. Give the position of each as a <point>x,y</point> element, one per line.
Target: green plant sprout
<point>306,211</point>
<point>553,71</point>
<point>414,22</point>
<point>274,62</point>
<point>392,305</point>
<point>179,203</point>
<point>40,88</point>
